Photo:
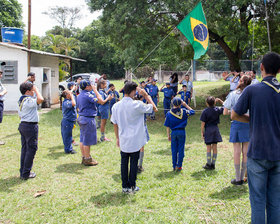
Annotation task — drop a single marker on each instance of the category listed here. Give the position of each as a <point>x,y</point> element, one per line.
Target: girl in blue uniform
<point>239,132</point>
<point>103,108</point>
<point>176,120</point>
<point>69,118</point>
<point>185,95</point>
<point>168,95</point>
<point>210,118</point>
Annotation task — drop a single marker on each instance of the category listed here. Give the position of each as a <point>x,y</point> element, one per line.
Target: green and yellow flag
<point>194,28</point>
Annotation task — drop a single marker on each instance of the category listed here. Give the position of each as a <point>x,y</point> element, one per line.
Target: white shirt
<point>28,110</point>
<point>255,81</point>
<point>2,88</point>
<point>128,114</point>
<point>189,85</point>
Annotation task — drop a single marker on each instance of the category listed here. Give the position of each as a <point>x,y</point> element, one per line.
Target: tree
<point>136,26</point>
<point>10,14</point>
<point>36,42</point>
<point>68,45</point>
<point>65,16</point>
<point>53,43</point>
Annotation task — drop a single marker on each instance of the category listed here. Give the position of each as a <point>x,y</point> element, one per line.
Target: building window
<point>10,72</point>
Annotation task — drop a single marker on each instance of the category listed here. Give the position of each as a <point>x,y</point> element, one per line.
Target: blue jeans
<point>155,102</point>
<point>66,133</point>
<point>264,188</point>
<point>178,139</point>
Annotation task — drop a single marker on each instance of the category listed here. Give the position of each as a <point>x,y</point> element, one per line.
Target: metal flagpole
<point>267,24</point>
<point>151,52</point>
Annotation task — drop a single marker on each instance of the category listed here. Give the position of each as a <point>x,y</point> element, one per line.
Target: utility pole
<point>29,35</point>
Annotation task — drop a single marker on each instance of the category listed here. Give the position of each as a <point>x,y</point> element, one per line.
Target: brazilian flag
<point>194,28</point>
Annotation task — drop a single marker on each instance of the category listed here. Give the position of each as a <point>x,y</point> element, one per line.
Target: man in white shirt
<point>128,120</point>
<point>3,92</point>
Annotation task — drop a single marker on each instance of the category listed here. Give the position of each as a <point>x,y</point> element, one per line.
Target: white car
<point>92,77</point>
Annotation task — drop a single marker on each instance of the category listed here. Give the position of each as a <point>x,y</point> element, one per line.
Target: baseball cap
<point>168,83</point>
<point>154,80</point>
<point>31,74</point>
<point>84,83</point>
<point>70,84</point>
<point>176,101</point>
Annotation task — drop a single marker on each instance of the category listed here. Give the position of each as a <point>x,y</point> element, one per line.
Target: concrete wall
<point>13,95</point>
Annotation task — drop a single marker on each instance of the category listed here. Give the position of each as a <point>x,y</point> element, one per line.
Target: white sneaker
<point>134,189</point>
<point>126,190</point>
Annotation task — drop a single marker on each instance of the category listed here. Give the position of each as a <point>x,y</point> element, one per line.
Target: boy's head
<point>187,77</point>
<point>26,88</point>
<point>102,84</point>
<point>79,79</point>
<point>85,84</point>
<point>142,84</point>
<point>70,85</point>
<point>154,82</point>
<point>104,76</point>
<point>270,64</point>
<point>130,89</point>
<point>65,94</point>
<point>210,101</point>
<point>176,102</point>
<point>168,84</point>
<point>31,76</point>
<point>184,87</point>
<point>111,86</point>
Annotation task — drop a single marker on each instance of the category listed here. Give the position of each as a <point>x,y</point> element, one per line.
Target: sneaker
<point>179,169</point>
<point>126,190</point>
<point>134,189</point>
<point>2,143</point>
<point>90,162</point>
<point>140,169</point>
<point>31,175</point>
<point>213,166</point>
<point>207,167</point>
<point>107,139</point>
<point>75,143</point>
<point>235,182</point>
<point>73,152</point>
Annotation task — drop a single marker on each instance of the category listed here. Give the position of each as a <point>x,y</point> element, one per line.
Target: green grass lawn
<point>79,194</point>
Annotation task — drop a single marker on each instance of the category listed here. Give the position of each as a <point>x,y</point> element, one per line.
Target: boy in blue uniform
<point>116,96</point>
<point>176,120</point>
<point>185,95</point>
<point>103,108</point>
<point>86,104</point>
<point>168,96</point>
<point>69,118</point>
<point>153,92</point>
<point>28,127</point>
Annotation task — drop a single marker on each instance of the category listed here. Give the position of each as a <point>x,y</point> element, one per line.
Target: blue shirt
<point>86,103</point>
<point>185,95</point>
<point>104,96</point>
<point>189,85</point>
<point>68,111</point>
<point>168,92</point>
<point>153,90</point>
<point>178,119</point>
<point>263,103</point>
<point>116,97</point>
<point>211,116</point>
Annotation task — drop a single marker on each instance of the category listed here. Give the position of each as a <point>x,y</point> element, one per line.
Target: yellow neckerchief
<point>175,115</point>
<point>273,87</point>
<point>21,104</point>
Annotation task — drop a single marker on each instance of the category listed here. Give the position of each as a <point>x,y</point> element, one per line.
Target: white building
<point>45,65</point>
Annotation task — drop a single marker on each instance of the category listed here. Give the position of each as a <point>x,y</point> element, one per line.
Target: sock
<point>214,158</point>
<point>237,172</point>
<point>141,156</point>
<point>98,122</point>
<point>243,170</point>
<point>102,135</point>
<point>208,158</point>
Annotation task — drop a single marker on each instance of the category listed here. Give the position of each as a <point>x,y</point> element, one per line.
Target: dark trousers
<point>1,110</point>
<point>29,145</point>
<point>129,181</point>
<point>66,133</point>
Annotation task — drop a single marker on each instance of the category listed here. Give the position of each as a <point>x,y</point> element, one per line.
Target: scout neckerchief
<point>22,99</point>
<point>177,112</point>
<point>273,83</point>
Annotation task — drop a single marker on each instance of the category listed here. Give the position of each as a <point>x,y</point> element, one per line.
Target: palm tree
<point>54,42</point>
<point>70,44</point>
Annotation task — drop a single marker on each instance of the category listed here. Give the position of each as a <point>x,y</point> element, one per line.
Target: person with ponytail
<point>239,131</point>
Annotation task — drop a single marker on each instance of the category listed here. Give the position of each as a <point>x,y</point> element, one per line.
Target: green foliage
<point>10,14</point>
<point>36,42</point>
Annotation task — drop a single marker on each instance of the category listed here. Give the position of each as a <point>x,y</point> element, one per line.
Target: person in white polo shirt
<point>128,120</point>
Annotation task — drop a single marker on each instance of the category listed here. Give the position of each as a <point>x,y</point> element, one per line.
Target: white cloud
<point>40,23</point>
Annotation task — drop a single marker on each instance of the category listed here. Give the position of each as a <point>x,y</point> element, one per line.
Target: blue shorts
<point>239,132</point>
<point>104,113</point>
<point>88,134</point>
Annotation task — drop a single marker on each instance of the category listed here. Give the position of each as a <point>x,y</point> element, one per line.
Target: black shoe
<point>140,169</point>
<point>73,152</point>
<point>213,166</point>
<point>234,182</point>
<point>31,175</point>
<point>207,167</point>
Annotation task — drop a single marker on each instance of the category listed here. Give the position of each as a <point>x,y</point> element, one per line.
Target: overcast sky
<point>41,23</point>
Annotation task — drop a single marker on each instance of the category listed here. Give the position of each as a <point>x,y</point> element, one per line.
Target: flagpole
<point>267,24</point>
<point>152,51</point>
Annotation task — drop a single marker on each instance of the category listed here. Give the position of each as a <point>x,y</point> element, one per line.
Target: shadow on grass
<point>167,175</point>
<point>117,177</point>
<point>203,174</point>
<point>230,193</point>
<point>56,155</point>
<point>6,184</point>
<point>111,199</point>
<point>12,135</point>
<point>163,152</point>
<point>73,168</point>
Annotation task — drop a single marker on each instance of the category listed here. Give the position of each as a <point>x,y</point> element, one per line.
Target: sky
<point>40,23</point>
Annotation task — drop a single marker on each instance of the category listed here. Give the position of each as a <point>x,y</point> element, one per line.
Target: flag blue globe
<point>200,32</point>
